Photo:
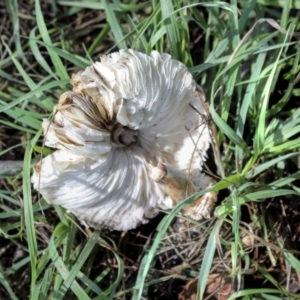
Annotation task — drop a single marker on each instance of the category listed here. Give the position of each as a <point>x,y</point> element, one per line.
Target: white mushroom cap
<point>125,115</point>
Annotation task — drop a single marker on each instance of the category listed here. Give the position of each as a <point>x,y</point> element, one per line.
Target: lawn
<point>245,56</point>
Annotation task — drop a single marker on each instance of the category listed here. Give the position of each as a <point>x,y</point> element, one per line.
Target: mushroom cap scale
<point>125,115</point>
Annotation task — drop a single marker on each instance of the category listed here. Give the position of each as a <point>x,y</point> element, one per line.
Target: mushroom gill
<point>127,116</point>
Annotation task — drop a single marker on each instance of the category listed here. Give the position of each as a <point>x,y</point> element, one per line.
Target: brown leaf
<point>218,288</point>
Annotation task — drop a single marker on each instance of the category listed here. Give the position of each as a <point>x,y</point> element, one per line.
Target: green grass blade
<point>114,25</point>
<point>161,230</point>
<point>264,166</point>
<point>37,54</point>
<point>38,90</point>
<point>259,138</point>
<point>6,285</point>
<point>171,26</point>
<point>207,261</point>
<point>58,64</point>
<point>92,241</point>
<point>28,212</point>
<point>248,97</point>
<point>64,272</point>
<point>270,193</point>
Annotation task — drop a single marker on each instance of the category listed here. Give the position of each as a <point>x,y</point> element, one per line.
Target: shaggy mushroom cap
<point>126,115</point>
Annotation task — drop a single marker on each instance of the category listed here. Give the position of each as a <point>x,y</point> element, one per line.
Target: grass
<point>245,55</point>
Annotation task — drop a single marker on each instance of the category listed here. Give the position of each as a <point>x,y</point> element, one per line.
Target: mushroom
<point>129,124</point>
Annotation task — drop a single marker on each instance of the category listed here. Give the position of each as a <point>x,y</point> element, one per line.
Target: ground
<point>250,248</point>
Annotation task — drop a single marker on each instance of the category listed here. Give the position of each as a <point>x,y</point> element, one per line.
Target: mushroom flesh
<point>129,142</point>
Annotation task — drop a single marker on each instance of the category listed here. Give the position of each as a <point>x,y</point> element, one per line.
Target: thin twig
<point>10,167</point>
